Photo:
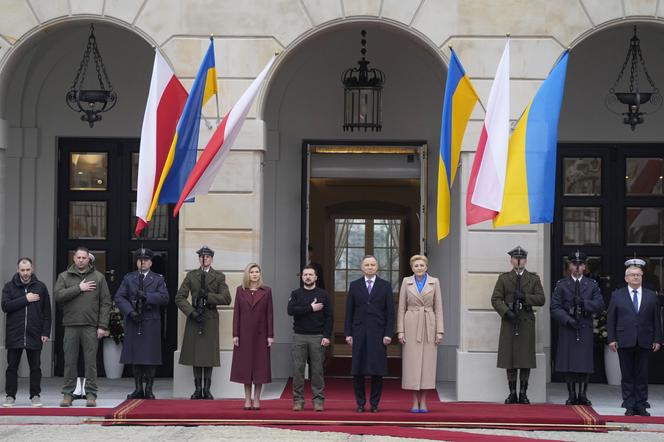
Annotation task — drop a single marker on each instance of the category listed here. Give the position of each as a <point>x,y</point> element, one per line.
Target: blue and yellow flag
<point>182,154</point>
<point>458,103</point>
<point>530,179</point>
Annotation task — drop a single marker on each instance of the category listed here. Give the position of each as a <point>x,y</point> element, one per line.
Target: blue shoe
<point>414,410</point>
<point>422,410</point>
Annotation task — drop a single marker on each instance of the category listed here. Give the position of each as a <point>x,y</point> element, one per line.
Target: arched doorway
<point>72,184</point>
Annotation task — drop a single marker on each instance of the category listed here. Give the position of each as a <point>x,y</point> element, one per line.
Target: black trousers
<point>634,380</point>
<point>11,375</point>
<point>360,393</point>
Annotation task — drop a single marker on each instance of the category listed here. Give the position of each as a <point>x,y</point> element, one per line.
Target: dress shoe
<point>374,409</point>
<point>360,409</point>
<point>629,412</point>
<point>642,412</point>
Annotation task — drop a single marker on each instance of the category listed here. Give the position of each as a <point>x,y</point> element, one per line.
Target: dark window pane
<point>87,220</point>
<point>88,171</point>
<point>645,225</point>
<point>644,176</point>
<point>134,171</point>
<point>157,229</point>
<point>582,225</point>
<point>582,176</point>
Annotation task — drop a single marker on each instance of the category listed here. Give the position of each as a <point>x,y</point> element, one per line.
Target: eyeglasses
<point>638,275</point>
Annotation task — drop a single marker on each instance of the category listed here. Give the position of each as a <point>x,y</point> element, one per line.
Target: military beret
<point>518,252</point>
<point>205,250</point>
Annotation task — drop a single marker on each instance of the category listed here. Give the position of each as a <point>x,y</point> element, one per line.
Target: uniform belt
<point>426,322</point>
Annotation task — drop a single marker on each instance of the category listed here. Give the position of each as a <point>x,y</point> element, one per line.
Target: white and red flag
<point>166,101</point>
<point>202,175</point>
<point>487,176</point>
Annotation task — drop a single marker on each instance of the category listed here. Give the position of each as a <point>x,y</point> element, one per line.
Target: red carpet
<point>634,419</point>
<point>342,389</point>
<point>342,412</point>
<point>382,430</point>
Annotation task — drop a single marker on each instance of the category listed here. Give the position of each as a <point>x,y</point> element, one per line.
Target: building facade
<point>294,178</point>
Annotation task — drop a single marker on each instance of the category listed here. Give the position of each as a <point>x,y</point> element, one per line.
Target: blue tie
<point>635,300</point>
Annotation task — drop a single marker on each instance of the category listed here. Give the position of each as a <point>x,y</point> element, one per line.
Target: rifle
<point>139,302</point>
<point>201,303</point>
<point>577,309</point>
<point>517,305</point>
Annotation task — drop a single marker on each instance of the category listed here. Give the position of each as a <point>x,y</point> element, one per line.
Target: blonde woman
<point>420,331</point>
<point>253,335</point>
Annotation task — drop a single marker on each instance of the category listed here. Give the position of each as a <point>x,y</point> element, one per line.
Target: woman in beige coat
<point>420,330</point>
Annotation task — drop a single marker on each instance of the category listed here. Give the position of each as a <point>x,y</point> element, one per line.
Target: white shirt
<point>373,281</point>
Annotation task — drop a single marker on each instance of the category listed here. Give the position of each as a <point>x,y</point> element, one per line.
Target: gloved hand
<point>572,322</point>
<point>134,316</point>
<point>196,316</point>
<point>510,315</point>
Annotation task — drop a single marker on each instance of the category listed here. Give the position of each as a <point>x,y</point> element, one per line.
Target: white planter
<point>112,365</point>
<point>611,366</point>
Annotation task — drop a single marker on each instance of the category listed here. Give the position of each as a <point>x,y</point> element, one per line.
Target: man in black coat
<point>634,331</point>
<point>26,301</point>
<point>369,327</point>
<point>140,298</point>
<point>573,303</point>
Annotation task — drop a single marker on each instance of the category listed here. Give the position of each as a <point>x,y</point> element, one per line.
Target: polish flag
<point>202,175</point>
<point>487,176</point>
<point>166,101</point>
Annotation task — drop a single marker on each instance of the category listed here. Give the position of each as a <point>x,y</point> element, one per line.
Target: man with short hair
<point>515,294</point>
<point>28,325</point>
<point>369,328</point>
<point>86,307</point>
<point>140,298</point>
<point>634,330</point>
<point>311,310</point>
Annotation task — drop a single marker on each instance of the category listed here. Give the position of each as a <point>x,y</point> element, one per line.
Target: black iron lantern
<point>91,102</point>
<point>637,100</point>
<point>363,105</point>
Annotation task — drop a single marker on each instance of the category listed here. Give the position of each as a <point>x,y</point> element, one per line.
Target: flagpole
<point>216,89</point>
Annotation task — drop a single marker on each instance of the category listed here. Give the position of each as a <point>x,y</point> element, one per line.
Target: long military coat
<point>143,349</point>
<point>420,318</point>
<point>369,318</point>
<point>574,356</point>
<point>517,351</point>
<point>202,350</point>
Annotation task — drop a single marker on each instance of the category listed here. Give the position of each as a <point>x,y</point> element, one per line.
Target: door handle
<point>110,274</point>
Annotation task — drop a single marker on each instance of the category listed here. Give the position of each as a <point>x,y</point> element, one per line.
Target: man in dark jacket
<point>311,310</point>
<point>86,307</point>
<point>27,304</point>
<point>573,303</point>
<point>140,298</point>
<point>514,296</point>
<point>369,328</point>
<point>635,331</point>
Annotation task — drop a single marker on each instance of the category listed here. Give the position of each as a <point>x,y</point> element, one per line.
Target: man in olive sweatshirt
<point>311,310</point>
<point>86,307</point>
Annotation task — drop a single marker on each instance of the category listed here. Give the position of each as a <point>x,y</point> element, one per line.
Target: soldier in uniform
<point>514,296</point>
<point>573,303</point>
<point>140,297</point>
<point>200,345</point>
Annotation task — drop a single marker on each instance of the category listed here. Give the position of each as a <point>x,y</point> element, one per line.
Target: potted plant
<point>611,361</point>
<point>113,345</point>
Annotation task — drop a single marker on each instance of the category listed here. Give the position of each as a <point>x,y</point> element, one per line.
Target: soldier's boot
<point>583,399</point>
<point>571,391</point>
<point>198,389</point>
<point>149,383</point>
<point>523,398</point>
<point>207,382</point>
<point>138,389</point>
<point>512,398</point>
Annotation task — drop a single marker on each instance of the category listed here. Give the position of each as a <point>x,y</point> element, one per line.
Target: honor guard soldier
<point>140,297</point>
<point>514,296</point>
<point>573,303</point>
<point>200,345</point>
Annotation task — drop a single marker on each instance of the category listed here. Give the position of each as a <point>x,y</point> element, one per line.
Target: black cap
<point>205,250</point>
<point>577,257</point>
<point>518,252</point>
<point>144,253</point>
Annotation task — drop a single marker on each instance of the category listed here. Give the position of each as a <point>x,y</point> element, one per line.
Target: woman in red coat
<point>253,335</point>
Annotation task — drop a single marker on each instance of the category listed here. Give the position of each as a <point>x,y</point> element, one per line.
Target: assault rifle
<point>577,307</point>
<point>201,304</point>
<point>139,302</point>
<point>517,305</point>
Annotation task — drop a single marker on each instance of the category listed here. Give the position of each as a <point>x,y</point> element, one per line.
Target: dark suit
<point>369,318</point>
<point>635,332</point>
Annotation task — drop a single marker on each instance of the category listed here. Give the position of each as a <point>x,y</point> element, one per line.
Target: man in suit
<point>140,298</point>
<point>369,327</point>
<point>573,303</point>
<point>514,296</point>
<point>634,331</point>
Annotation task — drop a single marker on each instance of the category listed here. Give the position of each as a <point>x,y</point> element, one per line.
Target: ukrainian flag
<point>530,180</point>
<point>182,154</point>
<point>458,103</point>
